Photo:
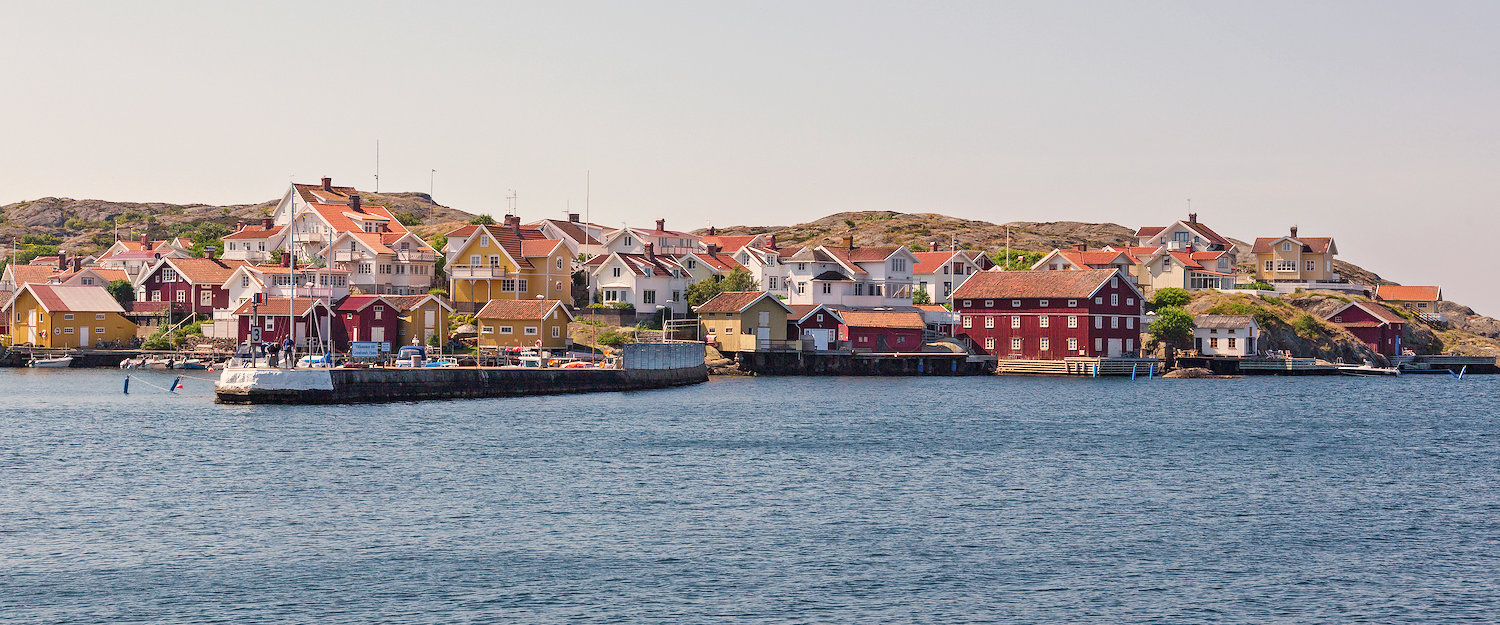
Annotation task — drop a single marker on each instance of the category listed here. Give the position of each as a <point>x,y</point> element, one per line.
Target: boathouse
<point>367,318</point>
<point>1372,323</point>
<point>52,315</point>
<point>531,323</point>
<point>1050,315</point>
<point>744,321</point>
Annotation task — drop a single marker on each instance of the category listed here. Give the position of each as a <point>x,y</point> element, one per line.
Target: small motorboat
<point>55,362</point>
<point>195,364</point>
<point>1368,370</point>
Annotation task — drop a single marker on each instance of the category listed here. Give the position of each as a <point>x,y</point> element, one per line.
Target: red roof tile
<point>932,262</point>
<point>520,309</point>
<point>1033,284</point>
<point>255,232</point>
<point>204,270</point>
<point>277,306</point>
<point>898,319</point>
<point>734,301</point>
<point>1312,245</point>
<point>1398,293</point>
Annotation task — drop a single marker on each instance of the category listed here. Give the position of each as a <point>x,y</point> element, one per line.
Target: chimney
<point>573,217</point>
<point>1192,218</point>
<point>77,263</point>
<point>145,243</point>
<point>713,248</point>
<point>712,231</point>
<point>62,260</point>
<point>1082,247</point>
<point>286,259</point>
<point>208,251</point>
<point>1294,232</point>
<point>661,224</point>
<point>354,203</point>
<point>849,242</point>
<point>650,251</point>
<point>771,241</point>
<point>327,183</point>
<point>265,224</point>
<point>239,225</point>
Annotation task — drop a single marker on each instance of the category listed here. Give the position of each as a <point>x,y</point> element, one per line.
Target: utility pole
<point>430,175</point>
<point>377,166</point>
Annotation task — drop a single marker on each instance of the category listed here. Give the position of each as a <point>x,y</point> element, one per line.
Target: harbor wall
<point>804,363</point>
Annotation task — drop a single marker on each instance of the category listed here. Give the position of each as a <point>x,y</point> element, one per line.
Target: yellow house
<point>1294,259</point>
<point>53,315</point>
<point>535,323</point>
<point>422,317</point>
<point>506,262</point>
<point>744,321</point>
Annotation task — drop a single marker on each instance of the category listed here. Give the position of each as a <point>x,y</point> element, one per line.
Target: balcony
<point>415,256</point>
<point>349,256</point>
<point>476,273</point>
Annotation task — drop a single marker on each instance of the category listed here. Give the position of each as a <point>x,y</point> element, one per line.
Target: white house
<point>391,259</point>
<point>664,242</point>
<point>580,236</point>
<point>941,273</point>
<point>767,265</point>
<point>1182,235</point>
<point>876,276</point>
<point>708,265</point>
<point>647,282</point>
<point>255,243</point>
<point>1226,335</point>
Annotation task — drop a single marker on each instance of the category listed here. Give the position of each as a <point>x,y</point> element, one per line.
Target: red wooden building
<point>187,285</point>
<point>882,331</point>
<point>1372,323</point>
<point>367,318</point>
<point>814,321</point>
<point>1050,315</point>
<point>309,319</point>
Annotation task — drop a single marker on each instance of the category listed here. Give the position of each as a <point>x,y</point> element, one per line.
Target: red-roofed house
<point>276,316</point>
<point>882,330</point>
<point>710,265</point>
<point>506,261</point>
<point>50,315</point>
<point>815,322</point>
<point>255,243</point>
<point>1050,315</point>
<point>867,276</point>
<point>1295,259</point>
<point>1418,299</point>
<point>663,241</point>
<point>533,323</point>
<point>1375,325</point>
<point>647,282</point>
<point>1181,235</point>
<point>939,273</point>
<point>382,256</point>
<point>579,236</point>
<point>189,285</point>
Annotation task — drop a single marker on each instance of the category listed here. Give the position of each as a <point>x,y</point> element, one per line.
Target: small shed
<point>744,321</point>
<point>816,322</point>
<point>368,318</point>
<point>1226,335</point>
<point>1377,326</point>
<point>882,330</point>
<point>528,323</point>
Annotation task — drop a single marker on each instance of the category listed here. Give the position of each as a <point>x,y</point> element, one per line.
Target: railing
<point>408,256</point>
<point>1433,317</point>
<point>476,273</point>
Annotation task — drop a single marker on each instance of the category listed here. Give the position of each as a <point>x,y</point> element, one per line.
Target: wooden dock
<point>1287,366</point>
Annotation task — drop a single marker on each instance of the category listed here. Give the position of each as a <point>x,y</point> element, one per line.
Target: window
<point>1286,265</point>
<point>968,303</point>
<point>556,332</point>
<point>206,298</point>
<point>968,321</point>
<point>1098,345</point>
<point>691,264</point>
<point>947,289</point>
<point>1269,264</point>
<point>1338,318</point>
<point>1098,322</point>
<point>1130,323</point>
<point>474,260</point>
<point>507,330</point>
<point>168,274</point>
<point>648,297</point>
<point>676,295</point>
<point>1072,344</point>
<point>1286,246</point>
<point>1114,323</point>
<point>773,283</point>
<point>494,260</point>
<point>1045,321</point>
<point>379,310</point>
<point>1130,301</point>
<point>99,330</point>
<point>559,263</point>
<point>1312,265</point>
<point>1180,236</point>
<point>531,331</point>
<point>1114,282</point>
<point>1213,343</point>
<point>617,272</point>
<point>400,269</point>
<point>484,241</point>
<point>486,329</point>
<point>1015,344</point>
<point>270,324</point>
<point>508,285</point>
<point>1114,299</point>
<point>989,303</point>
<point>989,343</point>
<point>1072,303</point>
<point>156,296</point>
<point>1099,301</point>
<point>1015,303</point>
<point>68,330</point>
<point>98,316</point>
<point>820,317</point>
<point>365,268</point>
<point>244,282</point>
<point>827,288</point>
<point>181,297</point>
<point>1232,342</point>
<point>1046,344</point>
<point>1072,321</point>
<point>1015,321</point>
<point>1042,303</point>
<point>521,286</point>
<point>67,316</point>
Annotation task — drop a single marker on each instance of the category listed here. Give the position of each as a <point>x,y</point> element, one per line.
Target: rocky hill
<point>85,226</point>
<point>890,228</point>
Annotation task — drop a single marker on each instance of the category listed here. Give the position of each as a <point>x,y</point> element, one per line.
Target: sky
<point>1372,122</point>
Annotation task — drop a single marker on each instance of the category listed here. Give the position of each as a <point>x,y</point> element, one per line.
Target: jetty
<point>642,366</point>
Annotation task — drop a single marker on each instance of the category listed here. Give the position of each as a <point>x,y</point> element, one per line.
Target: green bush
<point>919,297</point>
<point>917,247</point>
<point>482,220</point>
<point>1172,325</point>
<point>1260,285</point>
<point>1016,260</point>
<point>40,239</point>
<point>1170,296</point>
<point>614,338</point>
<point>408,218</point>
<point>1309,327</point>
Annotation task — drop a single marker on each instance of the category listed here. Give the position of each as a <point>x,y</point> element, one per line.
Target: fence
<point>663,355</point>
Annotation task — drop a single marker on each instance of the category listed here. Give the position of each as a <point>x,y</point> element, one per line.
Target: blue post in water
<point>1151,373</point>
<point>127,385</point>
<point>175,381</point>
<point>1133,367</point>
<point>1096,368</point>
<point>1462,370</point>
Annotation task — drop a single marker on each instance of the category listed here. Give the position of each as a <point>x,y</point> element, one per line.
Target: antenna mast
<point>377,166</point>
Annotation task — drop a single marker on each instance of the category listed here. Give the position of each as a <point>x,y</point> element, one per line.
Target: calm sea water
<point>795,500</point>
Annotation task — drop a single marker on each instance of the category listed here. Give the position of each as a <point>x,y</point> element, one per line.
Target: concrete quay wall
<point>803,363</point>
<point>392,385</point>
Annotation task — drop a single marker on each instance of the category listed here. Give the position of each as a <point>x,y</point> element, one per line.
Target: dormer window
<point>617,272</point>
<point>1181,236</point>
<point>1286,246</point>
<point>628,242</point>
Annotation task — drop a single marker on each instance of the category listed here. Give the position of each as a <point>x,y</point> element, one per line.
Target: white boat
<point>1367,370</point>
<point>56,362</point>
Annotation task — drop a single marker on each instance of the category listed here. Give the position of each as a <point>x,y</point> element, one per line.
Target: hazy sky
<point>1377,123</point>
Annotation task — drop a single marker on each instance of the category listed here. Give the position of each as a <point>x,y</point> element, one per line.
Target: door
<point>83,336</point>
<point>763,337</point>
<point>300,338</point>
<point>429,318</point>
<point>1198,344</point>
<point>1116,348</point>
<point>820,338</point>
<point>377,334</point>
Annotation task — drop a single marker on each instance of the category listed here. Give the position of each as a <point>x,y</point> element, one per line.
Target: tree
<point>439,264</point>
<point>920,296</point>
<point>917,246</point>
<point>482,220</point>
<point>704,290</point>
<point>437,290</point>
<point>1173,325</point>
<point>1016,260</point>
<point>122,291</point>
<point>1170,296</point>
